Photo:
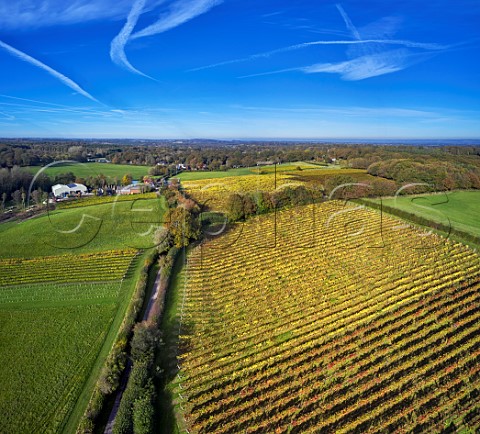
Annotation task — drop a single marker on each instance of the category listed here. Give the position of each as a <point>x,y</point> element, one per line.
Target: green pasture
<point>54,340</point>
<point>244,171</point>
<point>117,225</point>
<point>100,200</point>
<point>168,407</point>
<point>459,208</point>
<point>57,333</point>
<point>47,354</point>
<point>84,170</point>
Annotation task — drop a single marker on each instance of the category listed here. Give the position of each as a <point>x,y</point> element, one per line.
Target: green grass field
<point>460,208</point>
<point>100,200</point>
<point>97,228</point>
<point>64,291</point>
<point>55,336</point>
<point>47,353</point>
<point>244,171</point>
<point>169,416</point>
<point>84,170</point>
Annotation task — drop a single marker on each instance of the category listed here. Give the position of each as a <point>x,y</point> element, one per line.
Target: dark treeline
<point>441,175</point>
<point>15,184</point>
<point>223,155</point>
<point>442,167</point>
<point>242,206</point>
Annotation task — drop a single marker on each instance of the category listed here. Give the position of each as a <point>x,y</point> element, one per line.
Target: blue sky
<point>240,69</point>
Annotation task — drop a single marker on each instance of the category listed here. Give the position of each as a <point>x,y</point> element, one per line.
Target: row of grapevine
<point>103,266</point>
<point>213,193</point>
<point>100,200</point>
<point>328,319</point>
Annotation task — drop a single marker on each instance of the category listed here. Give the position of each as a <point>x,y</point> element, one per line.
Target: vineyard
<point>326,319</point>
<point>110,265</point>
<point>100,200</point>
<point>213,193</point>
<point>56,314</point>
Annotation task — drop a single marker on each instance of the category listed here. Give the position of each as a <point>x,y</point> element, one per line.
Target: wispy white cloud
<point>117,47</point>
<point>266,54</point>
<point>369,56</point>
<point>384,27</point>
<point>423,115</point>
<point>17,106</point>
<point>348,22</point>
<point>321,31</point>
<point>64,79</point>
<point>33,13</point>
<point>362,67</point>
<point>179,12</point>
<point>370,60</point>
<point>367,66</point>
<point>7,116</point>
<point>273,14</point>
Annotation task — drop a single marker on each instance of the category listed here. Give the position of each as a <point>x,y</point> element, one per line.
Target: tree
<point>64,178</point>
<point>235,207</point>
<point>263,201</point>
<point>145,340</point>
<point>127,179</point>
<point>341,186</point>
<point>37,197</point>
<point>162,239</point>
<point>183,226</point>
<point>17,198</point>
<point>249,205</point>
<point>4,199</point>
<point>143,413</point>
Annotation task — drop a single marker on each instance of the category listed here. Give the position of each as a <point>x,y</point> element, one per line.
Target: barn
<point>132,189</point>
<point>62,190</point>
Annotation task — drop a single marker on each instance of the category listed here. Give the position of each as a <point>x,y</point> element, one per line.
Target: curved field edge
<point>83,230</point>
<point>31,251</point>
<point>74,322</point>
<point>84,170</point>
<point>219,359</point>
<point>452,214</point>
<point>197,175</point>
<point>126,300</point>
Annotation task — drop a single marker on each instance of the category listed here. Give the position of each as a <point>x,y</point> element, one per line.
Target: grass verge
<point>167,396</point>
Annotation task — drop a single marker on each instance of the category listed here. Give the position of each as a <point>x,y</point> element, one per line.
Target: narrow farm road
<point>126,373</point>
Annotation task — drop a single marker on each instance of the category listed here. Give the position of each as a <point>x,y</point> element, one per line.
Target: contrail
<point>32,100</point>
<point>117,46</point>
<point>278,71</point>
<point>181,12</point>
<point>406,43</point>
<point>65,80</point>
<point>7,116</point>
<point>361,67</point>
<point>348,22</point>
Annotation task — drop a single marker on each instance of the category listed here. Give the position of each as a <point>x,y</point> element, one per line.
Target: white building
<point>62,190</point>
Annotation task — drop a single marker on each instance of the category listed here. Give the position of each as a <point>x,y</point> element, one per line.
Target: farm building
<point>132,189</point>
<point>62,190</point>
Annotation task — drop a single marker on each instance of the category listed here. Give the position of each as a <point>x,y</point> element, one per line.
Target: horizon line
<point>249,139</point>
